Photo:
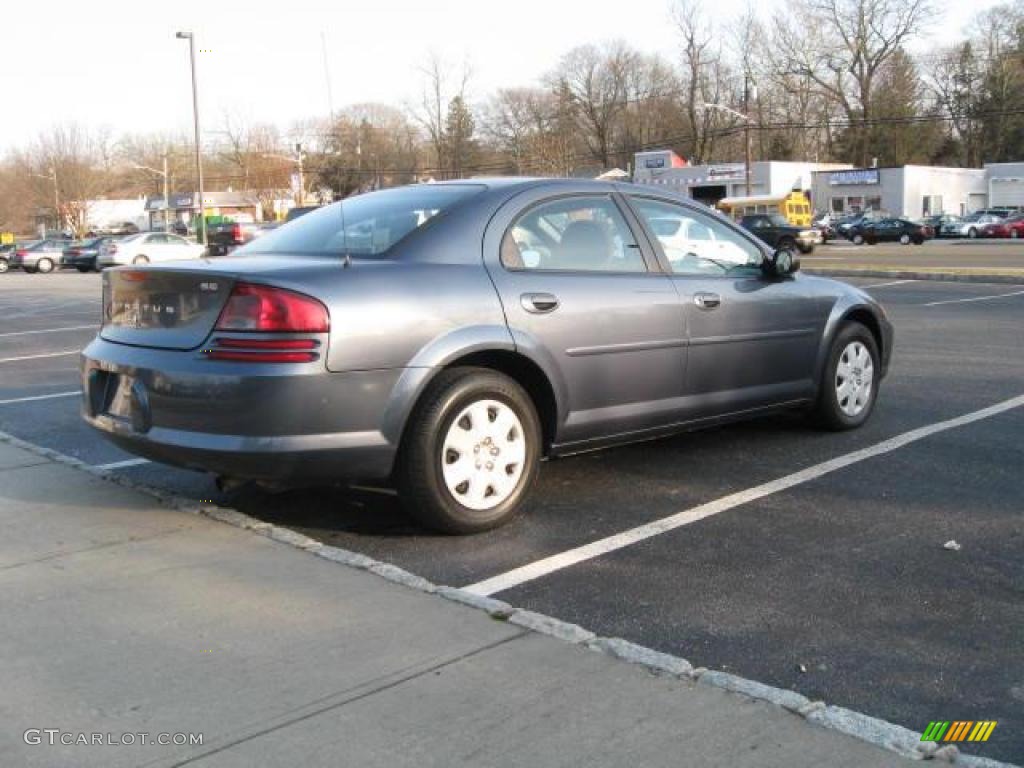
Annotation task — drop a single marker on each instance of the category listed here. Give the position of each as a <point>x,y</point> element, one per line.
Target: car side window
<point>156,239</point>
<point>578,234</point>
<point>699,244</point>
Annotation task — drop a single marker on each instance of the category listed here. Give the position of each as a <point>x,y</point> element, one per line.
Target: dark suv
<point>776,230</point>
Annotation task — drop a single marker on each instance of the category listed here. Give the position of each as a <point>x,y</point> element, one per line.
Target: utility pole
<point>56,196</point>
<point>167,198</point>
<point>746,130</point>
<point>201,228</point>
<point>301,195</point>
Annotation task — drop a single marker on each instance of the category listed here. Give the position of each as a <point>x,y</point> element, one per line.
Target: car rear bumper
<point>273,422</point>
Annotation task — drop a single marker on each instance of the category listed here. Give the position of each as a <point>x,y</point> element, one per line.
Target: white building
<point>113,214</point>
<point>910,191</point>
<point>1005,184</point>
<point>711,183</point>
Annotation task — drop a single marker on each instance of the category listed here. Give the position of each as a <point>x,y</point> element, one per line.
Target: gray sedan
<point>41,256</point>
<point>447,337</point>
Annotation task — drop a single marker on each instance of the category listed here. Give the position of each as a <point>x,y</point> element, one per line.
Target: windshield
<point>371,224</point>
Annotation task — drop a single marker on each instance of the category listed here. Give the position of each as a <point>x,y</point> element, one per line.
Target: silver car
<point>447,337</point>
<point>41,256</point>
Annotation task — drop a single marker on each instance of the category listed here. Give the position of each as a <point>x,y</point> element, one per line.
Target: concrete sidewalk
<point>121,616</point>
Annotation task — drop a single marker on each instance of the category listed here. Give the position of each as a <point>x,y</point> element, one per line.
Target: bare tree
<point>701,75</point>
<point>439,88</point>
<point>595,78</point>
<point>842,45</point>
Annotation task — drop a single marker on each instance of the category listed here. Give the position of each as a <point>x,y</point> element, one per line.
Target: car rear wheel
<point>858,239</point>
<point>904,239</point>
<point>470,452</point>
<point>140,259</point>
<point>849,382</point>
<point>44,265</point>
<point>4,266</point>
<point>972,233</point>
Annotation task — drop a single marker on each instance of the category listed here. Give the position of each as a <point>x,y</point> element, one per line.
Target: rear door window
<point>365,225</point>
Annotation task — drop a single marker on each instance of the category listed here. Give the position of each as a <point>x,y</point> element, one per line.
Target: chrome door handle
<point>707,300</point>
<point>539,303</point>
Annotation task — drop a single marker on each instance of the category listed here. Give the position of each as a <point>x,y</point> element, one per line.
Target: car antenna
<point>346,260</point>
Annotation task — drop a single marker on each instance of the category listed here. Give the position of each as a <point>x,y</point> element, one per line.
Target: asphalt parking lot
<point>836,584</point>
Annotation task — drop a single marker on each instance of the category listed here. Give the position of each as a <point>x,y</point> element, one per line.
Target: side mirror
<point>781,263</point>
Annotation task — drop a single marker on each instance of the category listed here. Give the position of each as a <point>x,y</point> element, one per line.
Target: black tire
<point>29,270</point>
<point>419,471</point>
<point>45,266</point>
<point>82,268</point>
<point>827,411</point>
<point>4,266</point>
<point>972,233</point>
<point>858,239</point>
<point>805,249</point>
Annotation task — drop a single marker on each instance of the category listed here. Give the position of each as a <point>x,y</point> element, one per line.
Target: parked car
<point>224,238</point>
<point>147,247</point>
<point>82,255</point>
<point>845,225</point>
<point>776,230</point>
<point>40,256</point>
<point>448,336</point>
<point>938,222</point>
<point>891,231</point>
<point>1014,224</point>
<point>970,226</point>
<point>994,230</point>
<point>6,251</point>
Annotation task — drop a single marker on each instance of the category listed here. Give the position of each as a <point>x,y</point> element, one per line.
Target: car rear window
<point>365,225</point>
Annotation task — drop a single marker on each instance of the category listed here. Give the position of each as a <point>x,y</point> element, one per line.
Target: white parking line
<point>973,298</point>
<point>40,397</point>
<point>123,464</point>
<point>886,285</point>
<point>37,357</point>
<point>92,327</point>
<point>600,547</point>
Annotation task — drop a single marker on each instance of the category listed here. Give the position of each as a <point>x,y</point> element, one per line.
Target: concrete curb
<point>881,733</point>
<point>900,274</point>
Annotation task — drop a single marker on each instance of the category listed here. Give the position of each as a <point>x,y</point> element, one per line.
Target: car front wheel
<point>972,233</point>
<point>4,266</point>
<point>470,452</point>
<point>849,382</point>
<point>858,239</point>
<point>45,266</point>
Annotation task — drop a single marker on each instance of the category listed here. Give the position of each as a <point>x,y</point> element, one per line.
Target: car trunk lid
<point>176,305</point>
<point>170,309</point>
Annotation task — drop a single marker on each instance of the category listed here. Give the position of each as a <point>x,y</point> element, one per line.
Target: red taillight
<point>236,233</point>
<point>264,350</point>
<point>20,254</point>
<point>263,309</point>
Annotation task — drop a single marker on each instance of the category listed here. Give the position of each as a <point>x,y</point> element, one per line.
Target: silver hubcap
<point>854,377</point>
<point>484,454</point>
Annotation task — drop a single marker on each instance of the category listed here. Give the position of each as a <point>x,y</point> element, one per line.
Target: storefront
<point>182,210</point>
<point>910,191</point>
<point>711,183</point>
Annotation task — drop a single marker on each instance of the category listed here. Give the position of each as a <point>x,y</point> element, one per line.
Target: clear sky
<point>116,63</point>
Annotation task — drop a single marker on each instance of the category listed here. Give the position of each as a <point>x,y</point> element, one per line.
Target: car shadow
<point>375,511</point>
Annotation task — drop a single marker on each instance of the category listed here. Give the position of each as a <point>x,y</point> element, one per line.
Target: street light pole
<point>201,228</point>
<point>56,196</point>
<point>748,91</point>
